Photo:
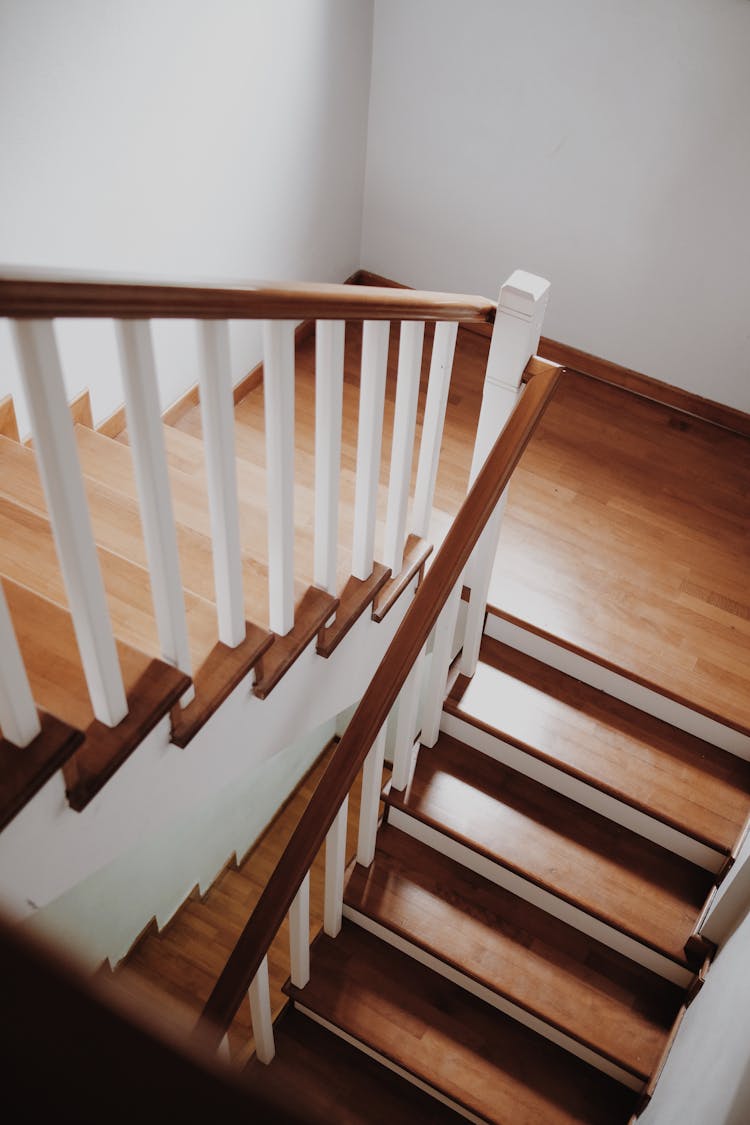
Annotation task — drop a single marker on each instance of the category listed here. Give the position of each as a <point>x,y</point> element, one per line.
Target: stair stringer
<point>49,849</point>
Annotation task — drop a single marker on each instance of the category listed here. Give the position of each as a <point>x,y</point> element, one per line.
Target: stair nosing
<point>618,669</point>
<point>474,846</point>
<point>439,955</point>
<point>451,707</point>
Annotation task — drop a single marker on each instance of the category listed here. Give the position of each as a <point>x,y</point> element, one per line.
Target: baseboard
<point>606,371</point>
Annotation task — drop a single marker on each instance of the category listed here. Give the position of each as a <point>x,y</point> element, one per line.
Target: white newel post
<point>515,339</point>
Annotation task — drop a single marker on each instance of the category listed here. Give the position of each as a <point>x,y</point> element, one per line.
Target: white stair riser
<point>528,891</point>
<point>494,999</point>
<point>618,685</point>
<point>561,782</point>
<point>386,1062</point>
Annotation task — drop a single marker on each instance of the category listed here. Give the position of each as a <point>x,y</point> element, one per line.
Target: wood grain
<point>667,774</point>
<point>8,423</point>
<point>478,1057</point>
<point>551,970</point>
<point>355,598</point>
<point>223,669</point>
<point>416,553</point>
<point>622,879</point>
<point>319,1077</point>
<point>310,616</point>
<point>24,297</point>
<point>23,772</point>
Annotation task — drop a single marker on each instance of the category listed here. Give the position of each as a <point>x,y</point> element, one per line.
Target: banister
<point>25,295</point>
<point>376,704</point>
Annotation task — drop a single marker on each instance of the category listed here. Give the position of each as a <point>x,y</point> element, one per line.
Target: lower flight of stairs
<point>523,945</point>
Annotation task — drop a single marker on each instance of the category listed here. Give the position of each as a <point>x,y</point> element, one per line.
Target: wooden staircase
<point>516,954</point>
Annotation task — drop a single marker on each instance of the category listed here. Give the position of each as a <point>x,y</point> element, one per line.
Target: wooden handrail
<point>376,704</point>
<point>25,296</point>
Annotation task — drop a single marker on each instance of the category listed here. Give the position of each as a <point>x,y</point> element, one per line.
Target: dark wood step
<point>24,770</point>
<point>356,596</point>
<point>554,972</point>
<point>50,653</point>
<point>665,773</point>
<point>318,1077</point>
<point>612,874</point>
<point>416,553</point>
<point>482,1060</point>
<point>310,616</point>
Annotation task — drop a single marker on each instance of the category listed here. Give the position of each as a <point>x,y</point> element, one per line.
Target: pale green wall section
<point>102,915</point>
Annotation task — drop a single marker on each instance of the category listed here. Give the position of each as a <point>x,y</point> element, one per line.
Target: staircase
<point>517,934</point>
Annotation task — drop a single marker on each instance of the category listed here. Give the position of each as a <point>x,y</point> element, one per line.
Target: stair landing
<point>626,531</point>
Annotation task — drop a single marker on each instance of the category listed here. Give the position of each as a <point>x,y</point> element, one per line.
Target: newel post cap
<point>522,293</point>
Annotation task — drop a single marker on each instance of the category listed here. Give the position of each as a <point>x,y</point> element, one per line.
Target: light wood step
<point>668,775</point>
<point>109,462</point>
<point>29,557</point>
<point>520,954</point>
<point>470,1053</point>
<point>605,871</point>
<point>50,653</point>
<point>114,517</point>
<point>315,1076</point>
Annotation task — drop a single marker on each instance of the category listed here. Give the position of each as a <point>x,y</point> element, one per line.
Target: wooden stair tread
<point>483,1060</point>
<point>50,654</point>
<point>672,776</point>
<point>24,770</point>
<point>596,865</point>
<point>310,616</point>
<point>553,971</point>
<point>320,1078</point>
<point>30,558</point>
<point>116,521</point>
<point>109,462</point>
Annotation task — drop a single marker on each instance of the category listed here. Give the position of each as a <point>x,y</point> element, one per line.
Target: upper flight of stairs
<point>89,752</point>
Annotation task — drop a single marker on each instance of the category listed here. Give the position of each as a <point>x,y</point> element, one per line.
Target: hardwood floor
<point>627,531</point>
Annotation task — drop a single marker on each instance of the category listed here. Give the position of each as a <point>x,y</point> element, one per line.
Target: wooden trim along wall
<point>607,372</point>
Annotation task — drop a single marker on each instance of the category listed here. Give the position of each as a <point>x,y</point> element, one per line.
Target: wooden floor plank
<point>611,873</point>
<point>668,774</point>
<point>322,1079</point>
<point>476,1056</point>
<point>556,973</point>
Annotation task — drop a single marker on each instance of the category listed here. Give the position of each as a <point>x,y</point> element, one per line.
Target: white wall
<point>100,917</point>
<point>706,1080</point>
<point>601,144</point>
<point>180,139</point>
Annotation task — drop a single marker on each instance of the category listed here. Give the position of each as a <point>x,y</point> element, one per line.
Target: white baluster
<point>217,416</point>
<point>369,806</point>
<point>335,865</point>
<point>299,935</point>
<point>441,366</point>
<point>261,1015</point>
<point>515,338</point>
<point>445,629</point>
<point>406,726</point>
<point>369,441</point>
<point>143,415</point>
<point>402,446</point>
<point>19,720</point>
<point>55,448</point>
<point>278,391</point>
<point>329,386</point>
<point>481,562</point>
